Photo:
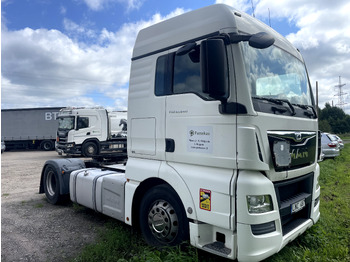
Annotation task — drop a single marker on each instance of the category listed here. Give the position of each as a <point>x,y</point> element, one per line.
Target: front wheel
<point>52,186</point>
<point>163,220</point>
<point>90,149</point>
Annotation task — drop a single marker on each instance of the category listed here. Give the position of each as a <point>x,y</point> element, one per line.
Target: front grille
<point>62,136</point>
<point>302,148</point>
<point>290,192</point>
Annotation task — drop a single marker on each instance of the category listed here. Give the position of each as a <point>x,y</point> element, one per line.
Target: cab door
<point>88,126</point>
<point>200,141</point>
<point>196,132</point>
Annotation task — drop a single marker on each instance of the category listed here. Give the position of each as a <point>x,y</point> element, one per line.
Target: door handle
<point>169,145</point>
<point>88,133</point>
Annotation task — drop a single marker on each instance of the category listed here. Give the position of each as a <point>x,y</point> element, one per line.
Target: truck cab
<point>81,130</point>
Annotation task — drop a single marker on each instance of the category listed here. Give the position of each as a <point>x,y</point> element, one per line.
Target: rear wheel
<point>163,220</point>
<point>47,145</point>
<point>52,186</point>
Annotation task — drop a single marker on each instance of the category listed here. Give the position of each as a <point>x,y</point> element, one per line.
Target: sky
<point>78,52</point>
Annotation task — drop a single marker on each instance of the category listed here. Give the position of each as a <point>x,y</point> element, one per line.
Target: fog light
<point>259,204</point>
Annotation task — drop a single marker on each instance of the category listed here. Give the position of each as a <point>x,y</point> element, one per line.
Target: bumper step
<point>218,247</point>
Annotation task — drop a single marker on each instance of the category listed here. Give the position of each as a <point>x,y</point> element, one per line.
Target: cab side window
<point>179,74</point>
<point>187,78</point>
<point>163,82</point>
<point>83,122</point>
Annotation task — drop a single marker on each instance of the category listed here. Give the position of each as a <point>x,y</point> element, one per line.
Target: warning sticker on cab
<point>205,199</point>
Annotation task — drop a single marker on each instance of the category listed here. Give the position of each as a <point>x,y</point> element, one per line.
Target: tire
<point>52,186</point>
<point>163,220</point>
<point>47,145</point>
<point>90,149</point>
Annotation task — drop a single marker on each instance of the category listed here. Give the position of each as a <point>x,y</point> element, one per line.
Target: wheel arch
<point>175,183</point>
<point>141,190</point>
<point>63,167</point>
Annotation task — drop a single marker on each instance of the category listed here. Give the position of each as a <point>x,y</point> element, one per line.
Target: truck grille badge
<point>298,136</point>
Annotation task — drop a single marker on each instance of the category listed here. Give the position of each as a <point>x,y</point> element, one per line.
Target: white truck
<point>222,140</point>
<point>90,131</point>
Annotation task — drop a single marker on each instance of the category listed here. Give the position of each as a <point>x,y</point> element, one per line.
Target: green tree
<point>333,119</point>
<point>332,112</point>
<point>324,126</point>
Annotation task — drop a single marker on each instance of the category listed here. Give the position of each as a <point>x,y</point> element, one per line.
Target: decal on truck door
<point>200,139</point>
<point>205,199</point>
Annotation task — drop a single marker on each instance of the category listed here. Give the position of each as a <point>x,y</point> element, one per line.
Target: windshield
<point>66,123</point>
<point>274,73</point>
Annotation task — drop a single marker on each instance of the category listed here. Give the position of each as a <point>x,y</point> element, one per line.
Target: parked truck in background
<point>29,128</point>
<point>90,131</point>
<point>222,140</point>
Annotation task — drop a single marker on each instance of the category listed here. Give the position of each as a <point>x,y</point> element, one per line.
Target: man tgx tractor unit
<point>222,140</point>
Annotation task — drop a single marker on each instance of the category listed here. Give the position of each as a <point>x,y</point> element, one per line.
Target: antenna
<point>269,17</point>
<point>340,94</point>
<point>253,8</point>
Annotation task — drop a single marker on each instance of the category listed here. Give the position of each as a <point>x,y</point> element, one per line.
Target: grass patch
<point>345,136</point>
<point>39,205</point>
<point>120,243</point>
<point>78,208</point>
<point>328,240</point>
<point>5,194</point>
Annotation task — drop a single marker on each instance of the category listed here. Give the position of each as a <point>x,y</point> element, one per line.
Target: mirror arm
<point>234,38</point>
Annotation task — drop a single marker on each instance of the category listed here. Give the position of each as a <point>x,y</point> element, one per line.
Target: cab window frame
<point>167,66</point>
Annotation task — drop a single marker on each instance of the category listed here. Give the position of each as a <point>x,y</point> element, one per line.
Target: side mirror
<point>214,68</point>
<point>77,124</point>
<point>261,40</point>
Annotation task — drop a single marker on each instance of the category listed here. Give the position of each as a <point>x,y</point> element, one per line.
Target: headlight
<point>70,145</point>
<point>259,204</point>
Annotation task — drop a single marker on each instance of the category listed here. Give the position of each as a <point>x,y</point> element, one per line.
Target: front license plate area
<point>296,207</point>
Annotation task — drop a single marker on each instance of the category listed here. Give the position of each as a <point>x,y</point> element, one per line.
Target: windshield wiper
<point>306,107</point>
<point>277,101</point>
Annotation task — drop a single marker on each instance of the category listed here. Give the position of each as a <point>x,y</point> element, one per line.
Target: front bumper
<point>262,235</point>
<point>68,148</point>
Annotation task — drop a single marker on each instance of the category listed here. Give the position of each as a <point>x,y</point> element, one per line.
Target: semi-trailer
<point>29,128</point>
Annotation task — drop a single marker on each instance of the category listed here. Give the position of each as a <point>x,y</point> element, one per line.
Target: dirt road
<point>31,228</point>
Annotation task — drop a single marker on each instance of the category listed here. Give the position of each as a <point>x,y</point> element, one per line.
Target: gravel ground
<point>31,228</point>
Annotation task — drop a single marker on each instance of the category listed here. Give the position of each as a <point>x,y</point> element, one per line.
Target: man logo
<point>298,136</point>
<point>191,133</point>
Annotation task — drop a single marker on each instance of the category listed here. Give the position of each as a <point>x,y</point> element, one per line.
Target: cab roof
<point>200,24</point>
